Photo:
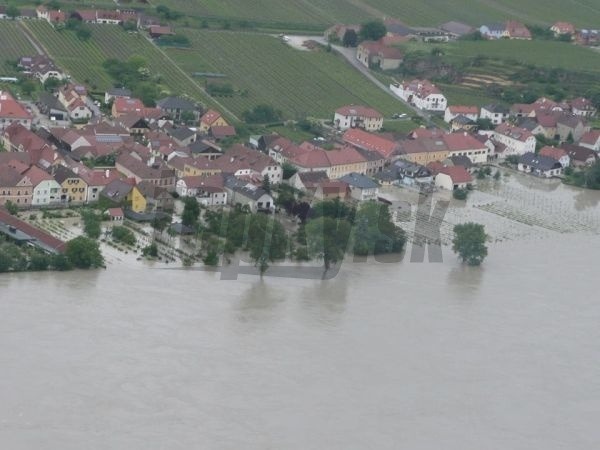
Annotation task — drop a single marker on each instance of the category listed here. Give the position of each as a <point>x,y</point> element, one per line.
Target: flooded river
<point>384,356</point>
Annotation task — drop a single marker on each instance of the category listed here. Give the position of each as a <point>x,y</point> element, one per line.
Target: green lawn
<point>264,70</point>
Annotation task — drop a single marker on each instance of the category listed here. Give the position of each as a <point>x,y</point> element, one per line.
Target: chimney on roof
<point>107,173</point>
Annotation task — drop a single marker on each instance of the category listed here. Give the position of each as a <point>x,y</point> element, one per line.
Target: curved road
<point>350,55</point>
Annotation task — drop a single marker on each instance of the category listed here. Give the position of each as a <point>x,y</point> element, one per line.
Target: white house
<point>422,94</point>
<point>247,194</point>
<point>465,144</point>
<point>353,116</point>
<point>541,166</point>
<point>452,178</point>
<point>78,110</point>
<point>208,190</point>
<point>494,31</point>
<point>591,140</point>
<point>518,141</point>
<point>46,190</point>
<point>470,112</point>
<point>362,188</point>
<point>496,113</point>
<point>557,154</point>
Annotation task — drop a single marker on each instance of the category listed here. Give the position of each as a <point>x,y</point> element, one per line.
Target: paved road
<point>350,55</point>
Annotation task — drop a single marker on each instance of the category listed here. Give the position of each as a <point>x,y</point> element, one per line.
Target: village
<point>136,164</point>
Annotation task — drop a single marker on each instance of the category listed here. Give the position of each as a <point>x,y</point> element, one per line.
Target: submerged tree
<point>469,243</point>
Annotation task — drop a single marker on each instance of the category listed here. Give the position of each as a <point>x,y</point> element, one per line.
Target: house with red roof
<point>12,111</point>
<point>17,229</point>
<point>516,30</point>
<point>46,190</point>
<point>582,107</point>
<point>591,140</point>
<point>563,28</point>
<point>209,119</point>
<point>51,16</point>
<point>518,141</point>
<point>358,116</point>
<point>421,94</point>
<point>242,161</point>
<point>208,190</point>
<point>377,54</point>
<point>126,105</point>
<point>452,178</point>
<point>558,154</point>
<point>15,185</point>
<point>465,144</point>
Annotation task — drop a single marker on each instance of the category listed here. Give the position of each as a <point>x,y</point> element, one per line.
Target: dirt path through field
<point>29,36</point>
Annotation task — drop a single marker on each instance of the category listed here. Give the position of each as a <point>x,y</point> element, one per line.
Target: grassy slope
<point>297,82</point>
<point>415,12</point>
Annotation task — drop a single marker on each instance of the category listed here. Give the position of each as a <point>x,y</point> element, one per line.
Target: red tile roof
<point>359,111</point>
<point>210,117</point>
<point>10,108</point>
<point>462,109</point>
<point>552,152</point>
<point>591,137</point>
<point>46,239</point>
<point>125,105</point>
<point>370,141</point>
<point>458,174</point>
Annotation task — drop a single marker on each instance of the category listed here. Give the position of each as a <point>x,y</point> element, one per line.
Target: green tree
<point>91,224</point>
<point>262,114</point>
<point>460,194</point>
<point>374,231</point>
<point>327,239</point>
<point>124,235</point>
<point>150,250</point>
<point>266,183</point>
<point>39,261</point>
<point>372,30</point>
<point>469,243</point>
<point>11,207</point>
<point>350,38</point>
<point>288,171</point>
<point>84,33</point>
<point>267,241</point>
<point>592,176</point>
<point>13,12</point>
<point>191,212</point>
<point>84,253</point>
<point>27,86</point>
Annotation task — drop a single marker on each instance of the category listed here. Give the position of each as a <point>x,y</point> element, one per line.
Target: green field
<point>584,13</point>
<point>265,70</point>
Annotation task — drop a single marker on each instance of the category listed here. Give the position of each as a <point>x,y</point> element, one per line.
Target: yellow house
<point>74,188</point>
<point>136,200</point>
<point>125,195</point>
<point>209,119</point>
<point>200,166</point>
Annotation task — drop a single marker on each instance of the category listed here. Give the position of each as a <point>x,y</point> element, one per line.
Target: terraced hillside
<point>262,69</point>
<point>13,45</point>
<point>585,13</point>
<point>83,59</point>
